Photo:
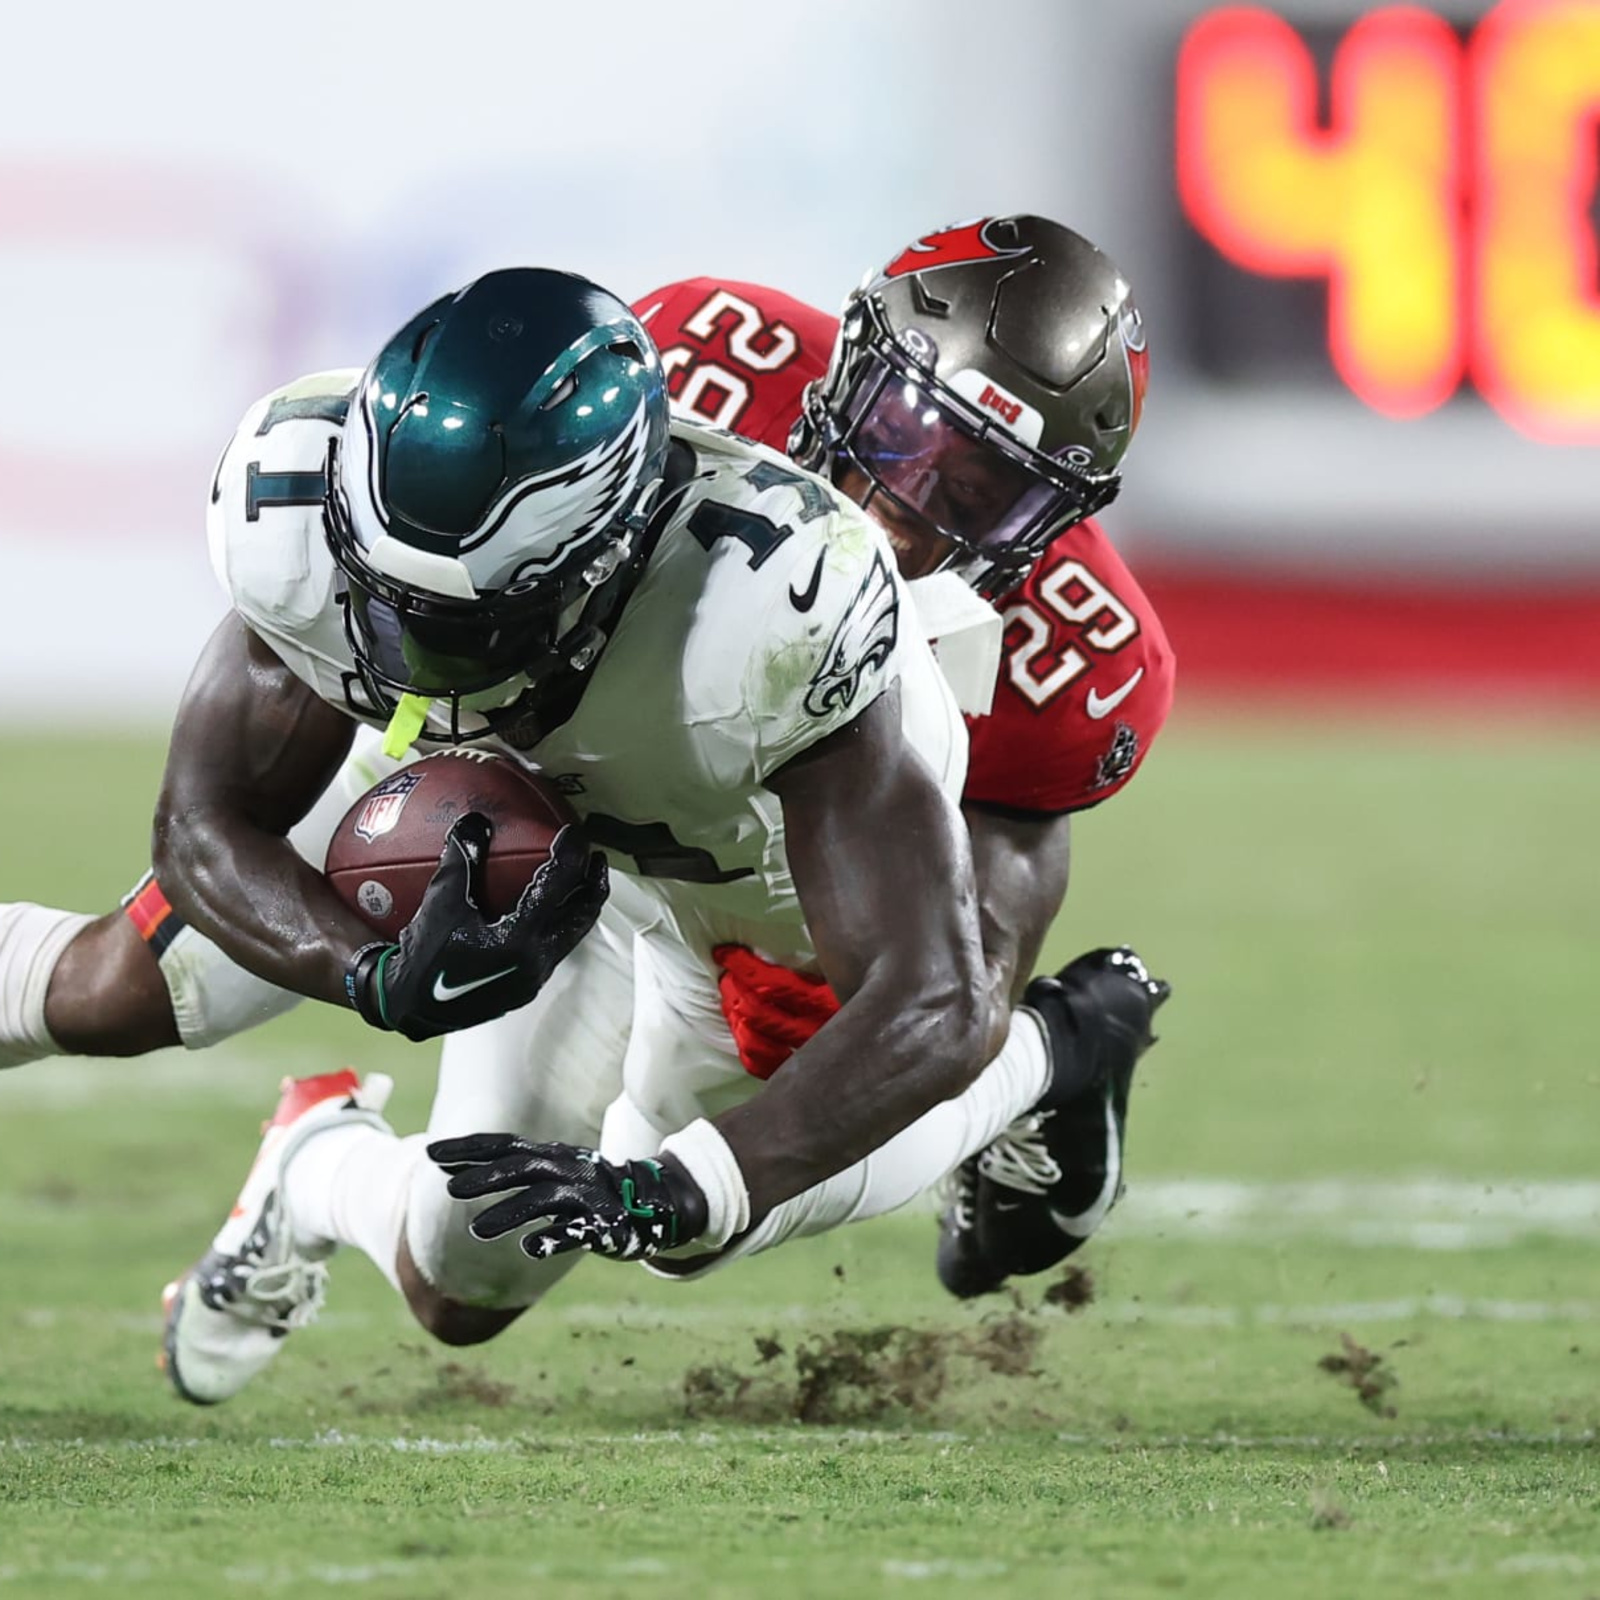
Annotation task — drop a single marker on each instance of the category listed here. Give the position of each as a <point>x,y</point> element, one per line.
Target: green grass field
<point>1343,1337</point>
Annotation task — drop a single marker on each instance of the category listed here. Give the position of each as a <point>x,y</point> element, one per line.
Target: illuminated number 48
<point>1446,203</point>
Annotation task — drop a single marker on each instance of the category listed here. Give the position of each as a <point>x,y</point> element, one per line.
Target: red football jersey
<point>736,354</point>
<point>1086,672</point>
<point>1086,677</point>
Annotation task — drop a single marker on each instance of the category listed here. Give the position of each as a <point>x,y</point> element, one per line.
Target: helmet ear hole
<point>627,349</point>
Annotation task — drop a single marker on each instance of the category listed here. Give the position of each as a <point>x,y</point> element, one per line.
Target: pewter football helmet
<point>987,380</point>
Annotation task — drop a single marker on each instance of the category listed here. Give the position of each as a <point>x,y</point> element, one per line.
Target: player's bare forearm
<point>251,751</point>
<point>884,872</point>
<point>1021,862</point>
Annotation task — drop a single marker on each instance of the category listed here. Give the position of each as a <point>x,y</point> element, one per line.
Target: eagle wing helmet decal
<point>598,483</point>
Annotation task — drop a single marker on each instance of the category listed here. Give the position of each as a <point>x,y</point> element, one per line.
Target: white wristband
<point>705,1156</point>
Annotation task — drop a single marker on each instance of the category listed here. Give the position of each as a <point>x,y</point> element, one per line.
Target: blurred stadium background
<point>1364,497</point>
<point>1363,238</point>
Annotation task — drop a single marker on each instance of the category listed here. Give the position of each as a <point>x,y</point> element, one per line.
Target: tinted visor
<point>968,479</point>
<point>434,646</point>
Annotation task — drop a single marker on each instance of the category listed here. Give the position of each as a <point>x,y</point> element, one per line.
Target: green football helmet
<point>489,492</point>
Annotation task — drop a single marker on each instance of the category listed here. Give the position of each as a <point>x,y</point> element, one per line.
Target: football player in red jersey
<point>976,397</point>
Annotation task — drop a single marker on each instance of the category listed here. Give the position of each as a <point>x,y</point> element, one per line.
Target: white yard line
<point>627,1320</point>
<point>717,1439</point>
<point>536,1439</point>
<point>282,1575</point>
<point>1417,1214</point>
<point>1427,1213</point>
<point>1422,1213</point>
<point>222,1075</point>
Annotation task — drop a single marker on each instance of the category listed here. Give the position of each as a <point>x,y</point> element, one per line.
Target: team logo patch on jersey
<point>862,643</point>
<point>1117,762</point>
<point>384,805</point>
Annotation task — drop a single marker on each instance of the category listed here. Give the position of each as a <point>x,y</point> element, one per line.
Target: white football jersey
<point>768,616</point>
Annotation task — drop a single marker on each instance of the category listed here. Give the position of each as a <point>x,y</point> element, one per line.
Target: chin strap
<point>405,725</point>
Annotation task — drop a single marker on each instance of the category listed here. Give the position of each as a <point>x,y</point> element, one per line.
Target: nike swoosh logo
<point>804,601</point>
<point>446,992</point>
<point>1103,705</point>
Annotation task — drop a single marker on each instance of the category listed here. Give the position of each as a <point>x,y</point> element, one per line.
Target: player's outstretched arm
<point>884,872</point>
<point>252,749</point>
<point>1021,862</point>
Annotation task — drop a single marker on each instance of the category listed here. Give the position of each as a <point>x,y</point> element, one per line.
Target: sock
<point>32,939</point>
<point>917,1158</point>
<point>350,1185</point>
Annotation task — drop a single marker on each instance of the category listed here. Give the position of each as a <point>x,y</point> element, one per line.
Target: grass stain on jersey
<point>787,671</point>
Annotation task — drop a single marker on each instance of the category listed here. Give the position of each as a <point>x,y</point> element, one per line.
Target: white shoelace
<point>1019,1159</point>
<point>957,1191</point>
<point>303,1284</point>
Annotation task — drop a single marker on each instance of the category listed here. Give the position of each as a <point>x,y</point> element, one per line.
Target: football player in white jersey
<point>139,978</point>
<point>492,534</point>
<point>211,997</point>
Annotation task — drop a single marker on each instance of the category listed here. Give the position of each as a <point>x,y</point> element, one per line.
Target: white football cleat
<point>227,1316</point>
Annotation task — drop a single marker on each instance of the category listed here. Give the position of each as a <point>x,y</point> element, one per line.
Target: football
<point>387,846</point>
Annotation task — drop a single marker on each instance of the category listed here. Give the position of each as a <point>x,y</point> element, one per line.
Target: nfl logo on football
<point>384,805</point>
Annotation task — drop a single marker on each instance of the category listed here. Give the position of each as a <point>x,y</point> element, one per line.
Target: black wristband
<point>363,986</point>
<point>688,1198</point>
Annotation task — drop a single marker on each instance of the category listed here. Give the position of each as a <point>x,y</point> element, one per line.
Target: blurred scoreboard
<point>1368,254</point>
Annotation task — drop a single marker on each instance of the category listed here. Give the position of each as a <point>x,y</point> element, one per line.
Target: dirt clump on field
<point>859,1373</point>
<point>854,1375</point>
<point>1363,1370</point>
<point>723,1390</point>
<point>449,1384</point>
<point>1072,1291</point>
<point>1007,1345</point>
<point>456,1384</point>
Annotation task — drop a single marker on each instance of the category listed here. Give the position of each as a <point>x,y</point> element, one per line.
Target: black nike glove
<point>573,1199</point>
<point>452,967</point>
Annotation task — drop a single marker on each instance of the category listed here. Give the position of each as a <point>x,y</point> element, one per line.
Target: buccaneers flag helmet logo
<point>949,247</point>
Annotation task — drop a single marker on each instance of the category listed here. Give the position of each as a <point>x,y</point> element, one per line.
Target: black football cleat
<point>1047,1183</point>
<point>961,1264</point>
